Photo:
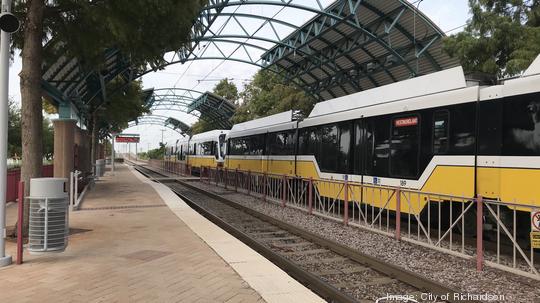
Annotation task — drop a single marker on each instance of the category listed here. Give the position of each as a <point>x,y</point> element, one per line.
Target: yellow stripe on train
<point>507,184</point>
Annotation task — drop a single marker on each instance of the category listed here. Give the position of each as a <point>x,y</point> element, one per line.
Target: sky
<point>202,75</point>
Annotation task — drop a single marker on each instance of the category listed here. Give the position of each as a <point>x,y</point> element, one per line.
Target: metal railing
<point>458,225</point>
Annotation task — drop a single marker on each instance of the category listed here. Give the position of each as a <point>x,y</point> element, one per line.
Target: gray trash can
<point>49,215</point>
<point>100,167</point>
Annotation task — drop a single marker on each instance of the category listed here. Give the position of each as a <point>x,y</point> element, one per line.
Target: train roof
<point>534,68</point>
<point>209,135</point>
<point>446,80</point>
<point>275,122</point>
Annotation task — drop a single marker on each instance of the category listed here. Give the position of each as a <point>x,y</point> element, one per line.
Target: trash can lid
<point>52,188</point>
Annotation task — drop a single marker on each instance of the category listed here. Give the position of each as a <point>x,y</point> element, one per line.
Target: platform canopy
<point>214,109</point>
<point>356,45</point>
<point>73,89</point>
<point>346,47</point>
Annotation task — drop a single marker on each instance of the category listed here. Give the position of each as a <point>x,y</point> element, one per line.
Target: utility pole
<point>8,25</point>
<point>162,131</point>
<point>113,153</point>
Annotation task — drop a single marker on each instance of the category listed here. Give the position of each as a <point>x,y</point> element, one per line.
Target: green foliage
<point>143,30</point>
<point>14,130</point>
<point>502,37</point>
<point>125,103</point>
<point>156,153</point>
<point>48,139</point>
<point>268,94</point>
<point>14,133</point>
<point>227,90</point>
<point>201,126</point>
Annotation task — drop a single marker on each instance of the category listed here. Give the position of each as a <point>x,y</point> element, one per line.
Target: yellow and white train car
<point>176,150</point>
<point>206,149</point>
<point>264,145</point>
<point>438,133</point>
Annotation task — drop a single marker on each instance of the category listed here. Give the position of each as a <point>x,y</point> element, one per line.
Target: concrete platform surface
<point>267,279</point>
<point>129,247</point>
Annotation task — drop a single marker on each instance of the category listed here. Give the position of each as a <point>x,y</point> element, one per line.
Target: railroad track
<point>335,272</point>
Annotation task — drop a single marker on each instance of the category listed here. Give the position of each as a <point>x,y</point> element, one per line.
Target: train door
<point>488,178</point>
<point>363,148</point>
<point>405,147</point>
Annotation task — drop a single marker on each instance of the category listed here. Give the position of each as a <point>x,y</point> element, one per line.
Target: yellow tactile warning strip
<point>128,255</point>
<point>273,284</point>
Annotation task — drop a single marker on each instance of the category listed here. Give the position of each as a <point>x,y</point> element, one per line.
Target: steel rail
<point>408,277</point>
<point>323,289</point>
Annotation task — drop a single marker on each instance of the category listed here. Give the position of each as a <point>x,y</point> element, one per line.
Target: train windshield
<point>222,146</point>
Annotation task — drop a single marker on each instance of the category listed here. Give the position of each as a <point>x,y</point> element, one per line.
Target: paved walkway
<point>130,248</point>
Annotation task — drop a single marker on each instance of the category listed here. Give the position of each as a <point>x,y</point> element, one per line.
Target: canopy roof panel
<point>214,109</point>
<point>356,45</point>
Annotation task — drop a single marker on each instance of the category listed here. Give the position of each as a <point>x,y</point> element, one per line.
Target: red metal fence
<point>13,177</point>
<point>442,226</point>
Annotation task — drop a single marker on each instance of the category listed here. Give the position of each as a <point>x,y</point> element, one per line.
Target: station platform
<point>134,240</point>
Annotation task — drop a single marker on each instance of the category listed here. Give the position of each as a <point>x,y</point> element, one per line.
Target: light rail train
<point>438,133</point>
<point>205,149</point>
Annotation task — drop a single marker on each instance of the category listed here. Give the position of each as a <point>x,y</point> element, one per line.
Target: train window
<point>344,148</point>
<point>222,143</point>
<point>441,132</point>
<point>308,142</point>
<point>236,146</point>
<point>180,155</point>
<point>207,148</point>
<point>381,146</point>
<point>281,143</point>
<point>253,145</point>
<point>215,150</point>
<point>328,153</point>
<point>404,147</point>
<point>462,140</point>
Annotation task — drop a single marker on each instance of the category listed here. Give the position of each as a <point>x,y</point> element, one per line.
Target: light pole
<point>8,25</point>
<point>162,131</point>
<point>113,154</point>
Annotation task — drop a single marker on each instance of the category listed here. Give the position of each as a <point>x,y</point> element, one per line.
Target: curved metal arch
<point>329,74</point>
<point>302,86</point>
<point>158,120</point>
<point>176,99</point>
<point>158,124</point>
<point>319,10</point>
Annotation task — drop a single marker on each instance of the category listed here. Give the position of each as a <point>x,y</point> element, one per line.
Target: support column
<point>64,142</point>
<point>77,149</point>
<point>84,154</point>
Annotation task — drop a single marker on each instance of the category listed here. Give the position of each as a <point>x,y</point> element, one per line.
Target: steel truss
<point>160,120</point>
<point>348,46</point>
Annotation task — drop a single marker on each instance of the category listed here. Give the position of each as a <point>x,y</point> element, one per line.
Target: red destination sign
<point>411,121</point>
<point>127,139</point>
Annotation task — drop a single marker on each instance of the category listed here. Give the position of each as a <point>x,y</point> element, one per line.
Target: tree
<point>227,90</point>
<point>14,130</point>
<point>113,116</point>
<point>501,38</point>
<point>156,153</point>
<point>201,126</point>
<point>268,94</point>
<point>143,30</point>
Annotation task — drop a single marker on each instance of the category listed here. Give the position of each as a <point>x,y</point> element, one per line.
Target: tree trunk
<point>31,106</point>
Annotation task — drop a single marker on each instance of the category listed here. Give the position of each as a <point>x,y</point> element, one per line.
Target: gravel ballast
<point>453,271</point>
